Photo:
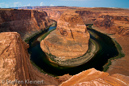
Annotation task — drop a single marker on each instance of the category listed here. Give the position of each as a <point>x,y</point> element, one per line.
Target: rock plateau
<point>69,40</point>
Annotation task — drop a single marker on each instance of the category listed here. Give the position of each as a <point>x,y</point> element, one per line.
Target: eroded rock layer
<point>24,22</point>
<point>114,24</point>
<point>93,77</point>
<point>15,63</point>
<point>69,40</point>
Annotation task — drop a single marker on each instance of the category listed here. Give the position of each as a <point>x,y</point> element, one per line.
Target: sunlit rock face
<point>93,77</point>
<point>69,40</point>
<point>15,63</point>
<point>72,27</point>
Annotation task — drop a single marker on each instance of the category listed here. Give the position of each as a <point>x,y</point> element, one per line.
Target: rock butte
<point>69,40</point>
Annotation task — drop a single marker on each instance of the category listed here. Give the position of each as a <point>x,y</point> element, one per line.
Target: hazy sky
<point>78,3</point>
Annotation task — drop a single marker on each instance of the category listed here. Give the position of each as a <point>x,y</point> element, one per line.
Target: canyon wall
<point>112,20</point>
<point>25,22</point>
<point>15,63</point>
<point>88,16</point>
<point>54,12</point>
<point>113,24</point>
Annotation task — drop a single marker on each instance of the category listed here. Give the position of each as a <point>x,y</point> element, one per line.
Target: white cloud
<point>14,4</point>
<point>51,5</point>
<point>17,4</point>
<point>28,4</point>
<point>3,5</point>
<point>41,4</point>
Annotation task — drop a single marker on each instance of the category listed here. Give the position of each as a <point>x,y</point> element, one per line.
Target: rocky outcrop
<point>25,22</point>
<point>88,16</point>
<point>64,78</point>
<point>93,77</point>
<point>114,24</point>
<point>15,65</point>
<point>69,40</point>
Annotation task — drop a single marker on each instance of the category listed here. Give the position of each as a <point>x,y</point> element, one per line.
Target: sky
<point>77,3</point>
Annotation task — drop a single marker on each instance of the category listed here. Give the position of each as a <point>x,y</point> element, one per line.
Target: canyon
<point>14,58</point>
<point>15,65</point>
<point>112,21</point>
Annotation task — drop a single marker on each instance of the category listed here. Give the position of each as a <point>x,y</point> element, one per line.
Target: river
<point>107,50</point>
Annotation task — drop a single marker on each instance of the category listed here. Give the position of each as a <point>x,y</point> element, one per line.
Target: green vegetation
<point>32,36</point>
<point>28,39</point>
<point>43,36</point>
<point>36,34</point>
<point>119,49</point>
<point>121,54</point>
<point>89,26</point>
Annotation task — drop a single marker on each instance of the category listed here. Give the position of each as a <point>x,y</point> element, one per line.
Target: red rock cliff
<point>115,24</point>
<point>15,63</point>
<point>23,21</point>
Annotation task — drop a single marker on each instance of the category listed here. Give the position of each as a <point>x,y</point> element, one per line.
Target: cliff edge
<point>25,22</point>
<point>15,63</point>
<point>92,77</point>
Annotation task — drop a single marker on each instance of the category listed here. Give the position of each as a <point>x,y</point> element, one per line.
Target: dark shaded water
<point>106,51</point>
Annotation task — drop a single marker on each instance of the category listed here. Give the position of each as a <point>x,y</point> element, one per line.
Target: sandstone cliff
<point>69,40</point>
<point>24,22</point>
<point>88,16</point>
<point>114,24</point>
<point>15,63</point>
<point>93,77</point>
<point>54,12</point>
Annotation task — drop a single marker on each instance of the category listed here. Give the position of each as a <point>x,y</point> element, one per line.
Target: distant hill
<point>33,7</point>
